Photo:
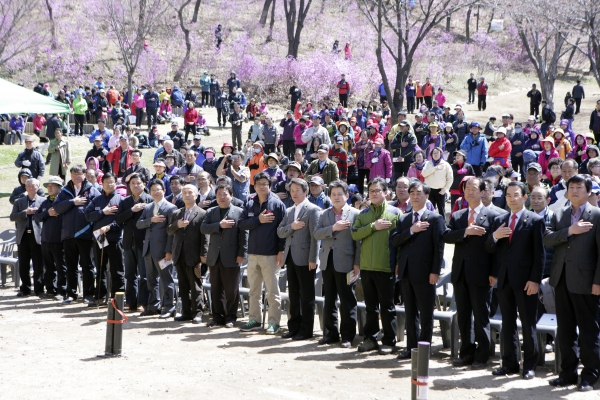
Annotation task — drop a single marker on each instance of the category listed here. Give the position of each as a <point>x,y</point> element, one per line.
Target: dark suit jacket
<point>140,170</point>
<point>156,241</point>
<point>423,252</point>
<point>19,216</point>
<point>228,243</point>
<point>469,251</point>
<point>577,255</point>
<point>301,243</point>
<point>196,243</point>
<point>127,219</point>
<point>210,196</point>
<point>522,259</point>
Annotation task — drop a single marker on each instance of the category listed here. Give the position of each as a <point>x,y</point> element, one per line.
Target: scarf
<point>51,198</point>
<point>160,176</point>
<point>436,163</point>
<point>419,166</point>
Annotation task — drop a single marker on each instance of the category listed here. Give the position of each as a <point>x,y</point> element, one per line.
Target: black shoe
<point>167,314</point>
<point>149,312</point>
<point>97,303</point>
<point>404,356</point>
<point>183,318</point>
<point>463,362</point>
<point>197,319</point>
<point>528,374</point>
<point>328,340</point>
<point>559,382</point>
<point>212,324</point>
<point>478,365</point>
<point>505,371</point>
<point>289,335</point>
<point>585,386</point>
<point>22,294</point>
<point>301,337</point>
<point>88,299</point>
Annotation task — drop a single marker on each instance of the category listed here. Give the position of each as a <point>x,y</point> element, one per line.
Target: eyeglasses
<point>375,191</point>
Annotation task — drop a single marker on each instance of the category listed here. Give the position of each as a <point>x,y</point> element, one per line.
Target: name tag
<point>251,214</point>
<point>98,209</point>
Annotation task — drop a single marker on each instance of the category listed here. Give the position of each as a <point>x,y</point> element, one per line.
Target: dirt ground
<point>50,351</point>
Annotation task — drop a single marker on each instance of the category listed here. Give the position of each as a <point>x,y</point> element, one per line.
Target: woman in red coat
<point>500,149</point>
<point>190,117</point>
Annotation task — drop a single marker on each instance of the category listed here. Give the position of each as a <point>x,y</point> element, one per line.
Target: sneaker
<point>229,325</point>
<point>88,300</point>
<point>273,329</point>
<point>386,350</point>
<point>251,325</point>
<point>58,297</point>
<point>67,300</point>
<point>367,345</point>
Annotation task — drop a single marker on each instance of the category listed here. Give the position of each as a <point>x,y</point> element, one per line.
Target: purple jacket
<point>382,168</point>
<point>17,124</point>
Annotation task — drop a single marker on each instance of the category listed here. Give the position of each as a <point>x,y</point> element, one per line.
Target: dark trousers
<point>378,289</point>
<point>139,115</point>
<point>410,104</point>
<point>343,100</point>
<point>419,299</point>
<point>30,253</point>
<point>289,148</point>
<point>77,253</point>
<point>113,253</point>
<point>236,137</point>
<point>362,174</point>
<point>224,292</point>
<point>534,109</point>
<point>577,311</point>
<point>55,271</point>
<point>473,301</point>
<point>189,129</point>
<point>79,121</point>
<point>428,101</point>
<point>151,116</point>
<point>293,103</point>
<point>161,286</point>
<point>334,285</point>
<point>419,101</point>
<point>577,105</point>
<point>221,116</point>
<point>136,289</point>
<point>205,98</point>
<point>481,102</point>
<point>190,290</point>
<point>438,200</point>
<point>269,148</point>
<point>301,288</point>
<point>517,165</point>
<point>213,99</point>
<point>510,301</point>
<point>471,96</point>
<point>477,170</point>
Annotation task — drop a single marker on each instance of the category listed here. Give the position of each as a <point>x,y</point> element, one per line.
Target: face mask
<point>257,151</point>
<point>518,130</point>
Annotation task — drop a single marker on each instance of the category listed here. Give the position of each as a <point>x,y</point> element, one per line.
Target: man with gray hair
<point>29,239</point>
<point>168,149</point>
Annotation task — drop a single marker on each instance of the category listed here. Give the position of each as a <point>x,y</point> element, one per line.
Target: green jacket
<point>79,106</point>
<point>330,171</point>
<point>375,248</point>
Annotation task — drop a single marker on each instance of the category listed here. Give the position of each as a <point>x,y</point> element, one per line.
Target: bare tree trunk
<point>571,58</point>
<point>477,19</point>
<point>130,88</point>
<point>188,44</point>
<point>52,25</point>
<point>196,10</point>
<point>448,23</point>
<point>265,12</point>
<point>490,24</point>
<point>272,22</point>
<point>295,23</point>
<point>467,27</point>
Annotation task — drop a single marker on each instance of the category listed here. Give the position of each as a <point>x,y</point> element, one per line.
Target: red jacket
<point>190,115</point>
<point>482,88</point>
<point>114,157</point>
<point>503,153</point>
<point>344,88</point>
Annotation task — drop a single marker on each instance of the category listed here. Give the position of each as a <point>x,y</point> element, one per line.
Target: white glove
<point>26,163</point>
<point>387,180</point>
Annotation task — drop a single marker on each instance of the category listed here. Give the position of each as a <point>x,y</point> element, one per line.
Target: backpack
<point>551,117</point>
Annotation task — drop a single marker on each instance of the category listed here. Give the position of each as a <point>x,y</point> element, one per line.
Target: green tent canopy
<point>18,100</point>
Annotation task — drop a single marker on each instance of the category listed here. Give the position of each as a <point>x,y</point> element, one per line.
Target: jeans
<point>410,104</point>
<point>14,133</point>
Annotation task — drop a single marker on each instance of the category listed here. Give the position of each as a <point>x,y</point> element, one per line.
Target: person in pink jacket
<point>440,97</point>
<point>379,161</point>
<point>139,104</point>
<point>298,131</point>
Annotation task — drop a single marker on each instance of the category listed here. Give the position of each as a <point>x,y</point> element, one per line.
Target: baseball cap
<point>123,138</point>
<point>317,180</point>
<point>174,123</point>
<point>323,148</point>
<point>595,188</point>
<point>29,138</point>
<point>339,139</point>
<point>98,138</point>
<point>197,137</point>
<point>316,115</point>
<point>475,124</point>
<point>404,123</point>
<point>501,130</point>
<point>352,188</point>
<point>159,164</point>
<point>491,172</point>
<point>535,166</point>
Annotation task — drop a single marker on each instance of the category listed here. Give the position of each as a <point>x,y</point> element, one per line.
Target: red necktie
<point>513,222</point>
<point>471,217</point>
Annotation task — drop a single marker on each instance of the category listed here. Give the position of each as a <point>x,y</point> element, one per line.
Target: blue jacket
<point>177,96</point>
<point>263,239</point>
<point>381,90</point>
<point>75,224</point>
<point>94,213</point>
<point>51,226</point>
<point>476,150</point>
<point>166,180</point>
<point>149,103</point>
<point>104,139</point>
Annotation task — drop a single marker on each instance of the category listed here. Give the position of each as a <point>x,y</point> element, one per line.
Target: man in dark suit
<point>189,248</point>
<point>227,249</point>
<point>417,269</point>
<point>339,255</point>
<point>472,270</point>
<point>575,234</point>
<point>517,244</point>
<point>301,254</point>
<point>136,167</point>
<point>29,239</point>
<point>130,210</point>
<point>157,247</point>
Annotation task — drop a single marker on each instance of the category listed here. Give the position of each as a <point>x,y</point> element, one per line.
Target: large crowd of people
<point>330,189</point>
